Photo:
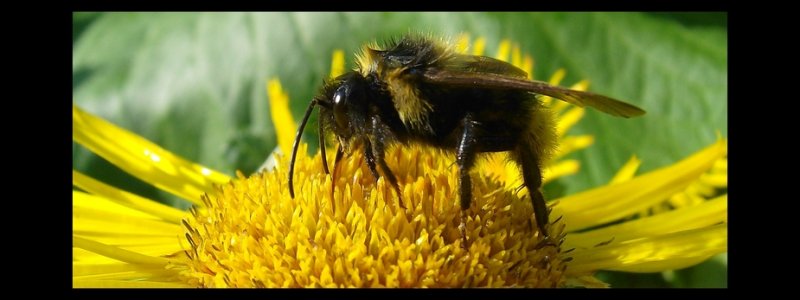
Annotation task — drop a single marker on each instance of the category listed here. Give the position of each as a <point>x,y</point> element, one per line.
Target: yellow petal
<point>142,158</point>
<point>557,77</point>
<point>107,222</point>
<point>126,284</point>
<point>627,171</point>
<point>156,242</point>
<point>462,43</point>
<point>704,214</point>
<point>715,180</point>
<point>581,85</point>
<point>118,253</point>
<point>102,273</point>
<point>503,50</point>
<point>569,119</point>
<point>527,66</point>
<point>88,269</point>
<point>612,202</point>
<point>285,127</point>
<point>161,276</point>
<point>89,221</point>
<point>516,57</point>
<point>101,204</point>
<point>479,46</point>
<point>560,169</point>
<point>572,143</point>
<point>653,254</point>
<point>85,256</point>
<point>337,63</point>
<point>721,166</point>
<point>167,213</point>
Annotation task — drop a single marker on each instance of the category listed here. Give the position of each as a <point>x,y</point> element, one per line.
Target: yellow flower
<point>248,232</point>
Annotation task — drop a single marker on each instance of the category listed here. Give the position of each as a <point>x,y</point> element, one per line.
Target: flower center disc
<point>251,233</point>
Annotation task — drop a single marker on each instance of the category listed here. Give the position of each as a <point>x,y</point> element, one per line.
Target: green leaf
<point>709,274</point>
<point>677,74</point>
<point>195,82</point>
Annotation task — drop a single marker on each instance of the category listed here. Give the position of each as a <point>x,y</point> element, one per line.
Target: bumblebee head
<point>347,111</point>
<point>342,109</point>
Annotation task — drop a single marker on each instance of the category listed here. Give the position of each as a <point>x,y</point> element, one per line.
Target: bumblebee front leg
<point>465,158</point>
<point>378,144</point>
<point>368,154</point>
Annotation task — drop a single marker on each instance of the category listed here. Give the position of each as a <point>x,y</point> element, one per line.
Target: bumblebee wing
<point>483,64</point>
<point>496,81</point>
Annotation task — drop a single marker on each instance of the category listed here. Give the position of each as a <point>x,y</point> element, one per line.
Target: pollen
<point>251,233</point>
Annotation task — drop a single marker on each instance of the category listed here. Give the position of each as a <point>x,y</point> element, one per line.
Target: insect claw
<point>399,197</point>
<point>336,168</point>
<point>546,241</point>
<point>462,228</point>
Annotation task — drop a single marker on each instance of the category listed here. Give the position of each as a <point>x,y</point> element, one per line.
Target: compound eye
<point>340,109</point>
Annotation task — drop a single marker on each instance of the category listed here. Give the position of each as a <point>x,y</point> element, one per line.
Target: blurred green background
<point>194,83</point>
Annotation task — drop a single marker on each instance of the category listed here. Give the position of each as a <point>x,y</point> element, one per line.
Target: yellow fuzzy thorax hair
<point>369,60</point>
<point>412,109</point>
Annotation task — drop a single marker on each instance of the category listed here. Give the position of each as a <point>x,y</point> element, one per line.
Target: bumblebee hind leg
<point>532,175</point>
<point>537,145</point>
<point>465,157</point>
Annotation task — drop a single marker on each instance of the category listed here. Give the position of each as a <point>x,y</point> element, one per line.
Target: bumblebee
<point>418,89</point>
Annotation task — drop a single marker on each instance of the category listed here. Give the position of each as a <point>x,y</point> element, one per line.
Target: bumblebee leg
<point>465,157</point>
<point>532,175</point>
<point>336,167</point>
<point>370,157</point>
<point>378,140</point>
<point>322,151</point>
